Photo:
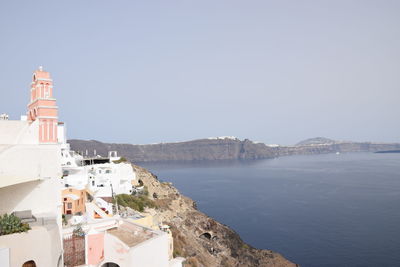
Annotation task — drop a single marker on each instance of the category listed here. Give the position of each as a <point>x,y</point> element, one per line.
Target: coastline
<point>199,238</point>
<point>288,203</point>
<point>221,150</point>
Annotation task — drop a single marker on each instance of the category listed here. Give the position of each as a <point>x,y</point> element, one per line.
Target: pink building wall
<point>95,248</point>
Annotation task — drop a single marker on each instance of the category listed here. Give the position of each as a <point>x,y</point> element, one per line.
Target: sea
<point>315,210</point>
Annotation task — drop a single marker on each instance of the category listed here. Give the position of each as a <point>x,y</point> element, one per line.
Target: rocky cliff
<point>203,241</point>
<point>203,149</point>
<point>224,149</point>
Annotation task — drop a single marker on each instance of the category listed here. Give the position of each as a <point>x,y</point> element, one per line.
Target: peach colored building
<point>42,106</point>
<point>73,201</point>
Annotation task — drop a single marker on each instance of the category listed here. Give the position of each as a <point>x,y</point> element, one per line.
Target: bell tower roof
<point>40,74</point>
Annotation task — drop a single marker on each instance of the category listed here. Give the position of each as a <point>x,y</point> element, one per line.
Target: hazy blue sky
<point>159,71</point>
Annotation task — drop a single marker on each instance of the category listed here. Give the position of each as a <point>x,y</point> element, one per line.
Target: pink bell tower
<point>42,106</point>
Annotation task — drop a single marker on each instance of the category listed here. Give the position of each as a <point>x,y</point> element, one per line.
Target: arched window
<point>110,264</point>
<point>47,91</point>
<point>29,264</point>
<point>41,90</point>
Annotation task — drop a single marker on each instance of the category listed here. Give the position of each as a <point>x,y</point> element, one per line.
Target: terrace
<point>22,247</point>
<point>131,234</point>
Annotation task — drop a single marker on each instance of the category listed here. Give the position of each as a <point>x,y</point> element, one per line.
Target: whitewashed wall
<point>22,163</point>
<point>19,132</point>
<point>39,244</point>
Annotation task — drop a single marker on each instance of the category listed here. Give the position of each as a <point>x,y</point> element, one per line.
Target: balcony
<point>41,244</point>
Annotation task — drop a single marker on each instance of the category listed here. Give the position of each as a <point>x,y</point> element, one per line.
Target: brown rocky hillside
<point>199,238</point>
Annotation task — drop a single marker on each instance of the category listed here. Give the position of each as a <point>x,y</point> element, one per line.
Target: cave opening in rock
<point>205,235</point>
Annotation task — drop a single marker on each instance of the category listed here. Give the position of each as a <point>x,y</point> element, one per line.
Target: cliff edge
<point>203,241</point>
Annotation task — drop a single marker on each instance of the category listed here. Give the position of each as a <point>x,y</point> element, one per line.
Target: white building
<point>111,178</point>
<point>104,180</point>
<point>30,171</point>
<point>35,165</point>
<point>122,243</point>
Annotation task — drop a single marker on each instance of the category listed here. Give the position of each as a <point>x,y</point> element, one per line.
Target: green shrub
<point>64,220</point>
<point>135,202</point>
<point>176,253</point>
<point>10,224</point>
<point>245,246</point>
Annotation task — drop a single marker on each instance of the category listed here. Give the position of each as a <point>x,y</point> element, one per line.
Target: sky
<point>164,71</point>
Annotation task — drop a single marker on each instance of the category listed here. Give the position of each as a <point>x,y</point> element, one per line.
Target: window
<point>29,264</point>
<point>65,199</point>
<point>69,205</point>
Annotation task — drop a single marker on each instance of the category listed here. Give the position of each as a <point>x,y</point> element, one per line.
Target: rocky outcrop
<point>224,149</point>
<point>199,238</point>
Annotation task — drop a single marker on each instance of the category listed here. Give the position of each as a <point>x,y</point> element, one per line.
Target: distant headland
<point>227,148</point>
<point>388,151</point>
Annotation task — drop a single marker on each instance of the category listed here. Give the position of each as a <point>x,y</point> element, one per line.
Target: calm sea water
<point>322,210</point>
